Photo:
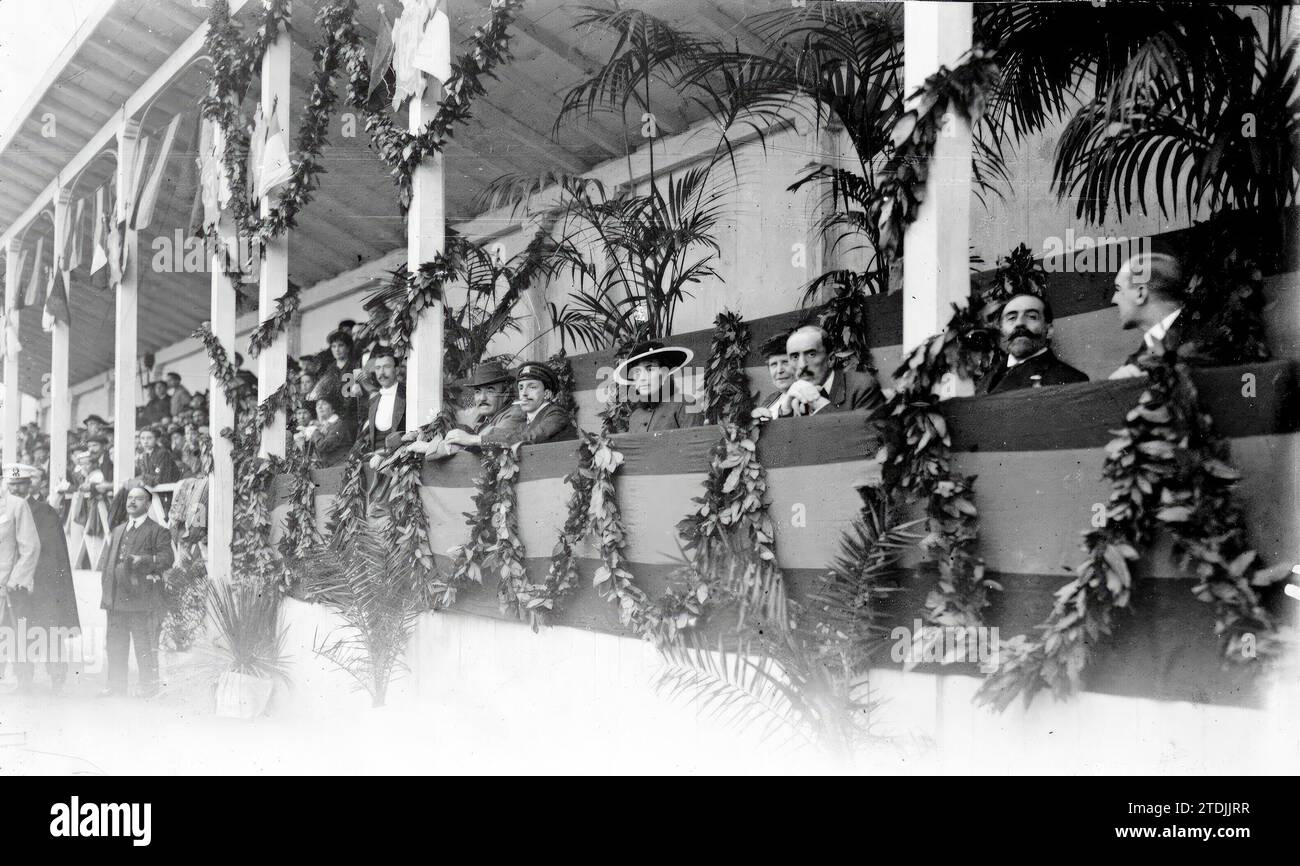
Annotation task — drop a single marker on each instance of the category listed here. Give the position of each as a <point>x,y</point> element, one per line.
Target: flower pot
<point>240,696</point>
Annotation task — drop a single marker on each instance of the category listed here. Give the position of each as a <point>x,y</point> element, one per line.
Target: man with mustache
<point>492,409</point>
<point>818,387</point>
<point>542,420</point>
<point>1026,326</point>
<point>387,417</point>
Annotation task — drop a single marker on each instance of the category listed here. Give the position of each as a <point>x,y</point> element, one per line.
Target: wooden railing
<point>85,549</point>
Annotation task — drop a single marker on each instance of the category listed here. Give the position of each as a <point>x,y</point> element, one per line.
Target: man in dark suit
<point>386,420</point>
<point>132,567</point>
<point>51,603</point>
<point>1150,292</point>
<point>1026,326</point>
<point>650,375</point>
<point>543,421</point>
<point>818,387</point>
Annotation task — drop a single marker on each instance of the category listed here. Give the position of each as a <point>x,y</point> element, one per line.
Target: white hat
<point>19,472</point>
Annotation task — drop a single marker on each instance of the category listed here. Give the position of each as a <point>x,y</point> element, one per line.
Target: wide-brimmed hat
<point>672,357</point>
<point>488,373</point>
<point>540,373</point>
<point>94,418</point>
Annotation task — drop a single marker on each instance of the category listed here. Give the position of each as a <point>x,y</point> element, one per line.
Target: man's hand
<point>461,437</point>
<point>805,395</point>
<point>1128,371</point>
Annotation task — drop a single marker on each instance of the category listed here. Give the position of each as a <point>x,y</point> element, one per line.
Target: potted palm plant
<point>249,642</point>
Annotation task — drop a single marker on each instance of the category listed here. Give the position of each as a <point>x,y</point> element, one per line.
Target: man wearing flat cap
<point>657,403</point>
<point>51,603</point>
<point>132,566</point>
<point>537,386</point>
<point>20,551</point>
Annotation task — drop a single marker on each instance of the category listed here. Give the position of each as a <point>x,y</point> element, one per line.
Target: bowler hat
<point>489,373</point>
<point>95,418</point>
<point>774,345</point>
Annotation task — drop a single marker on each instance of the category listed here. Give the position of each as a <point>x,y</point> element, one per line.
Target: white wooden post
<point>936,248</point>
<point>274,281</point>
<point>125,389</point>
<point>221,415</point>
<point>13,397</point>
<point>60,394</point>
<point>426,237</point>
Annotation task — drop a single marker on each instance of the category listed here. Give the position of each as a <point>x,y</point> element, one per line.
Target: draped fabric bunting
<point>382,58</point>
<point>148,197</point>
<point>408,32</point>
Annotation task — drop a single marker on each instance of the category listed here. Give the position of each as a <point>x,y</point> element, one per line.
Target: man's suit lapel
<point>839,388</point>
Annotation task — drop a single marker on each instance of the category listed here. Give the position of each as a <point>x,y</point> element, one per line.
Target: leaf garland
<point>915,462</point>
<point>408,523</point>
<point>725,379</point>
<point>300,536</point>
<point>468,560</point>
<point>612,580</point>
<point>347,514</point>
<point>1168,469</point>
<point>268,330</point>
<point>562,576</point>
<point>900,185</point>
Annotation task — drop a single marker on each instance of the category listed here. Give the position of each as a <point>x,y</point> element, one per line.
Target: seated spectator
<point>781,371</point>
<point>386,418</point>
<point>159,405</point>
<point>177,394</point>
<point>154,464</point>
<point>1026,326</point>
<point>656,401</point>
<point>176,441</point>
<point>327,435</point>
<point>94,426</point>
<point>543,421</point>
<point>818,386</point>
<point>1150,292</point>
<point>100,461</point>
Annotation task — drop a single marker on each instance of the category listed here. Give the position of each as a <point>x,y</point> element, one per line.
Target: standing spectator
<point>20,550</point>
<point>387,412</point>
<point>178,394</point>
<point>131,568</point>
<point>154,465</point>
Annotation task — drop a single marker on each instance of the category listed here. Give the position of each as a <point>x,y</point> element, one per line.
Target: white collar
<point>390,391</point>
<point>533,414</point>
<point>137,522</point>
<point>1012,360</point>
<point>830,381</point>
<point>1157,331</point>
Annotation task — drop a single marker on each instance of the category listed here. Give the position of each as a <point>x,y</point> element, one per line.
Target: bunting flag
<point>9,333</point>
<point>276,167</point>
<point>75,234</point>
<point>99,252</point>
<point>56,302</point>
<point>407,34</point>
<point>33,294</point>
<point>382,58</point>
<point>117,251</point>
<point>144,204</point>
<point>207,198</point>
<point>194,225</point>
<point>436,32</point>
<point>256,152</point>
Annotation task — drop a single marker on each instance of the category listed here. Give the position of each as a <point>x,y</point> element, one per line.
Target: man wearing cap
<point>492,408</point>
<point>657,404</point>
<point>20,551</point>
<point>818,387</point>
<point>51,604</point>
<point>779,369</point>
<point>543,421</point>
<point>138,553</point>
<point>94,427</point>
<point>153,464</point>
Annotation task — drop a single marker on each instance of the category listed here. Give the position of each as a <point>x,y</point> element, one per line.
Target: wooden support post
<point>13,397</point>
<point>125,389</point>
<point>274,280</point>
<point>936,247</point>
<point>221,415</point>
<point>426,237</point>
<point>60,393</point>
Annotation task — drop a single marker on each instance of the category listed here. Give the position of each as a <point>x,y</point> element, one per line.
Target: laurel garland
<point>300,536</point>
<point>1168,469</point>
<point>468,560</point>
<point>562,576</point>
<point>347,514</point>
<point>725,379</point>
<point>268,330</point>
<point>408,523</point>
<point>915,462</point>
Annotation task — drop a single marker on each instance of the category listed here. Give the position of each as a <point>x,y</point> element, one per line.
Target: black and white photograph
<point>649,388</point>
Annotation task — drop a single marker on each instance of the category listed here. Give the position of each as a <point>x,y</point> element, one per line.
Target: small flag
<point>434,52</point>
<point>99,253</point>
<point>29,297</point>
<point>382,59</point>
<point>76,236</point>
<point>9,333</point>
<point>56,302</point>
<point>276,167</point>
<point>144,205</point>
<point>117,252</point>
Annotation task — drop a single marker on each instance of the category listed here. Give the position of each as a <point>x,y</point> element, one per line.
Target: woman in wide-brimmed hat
<point>649,376</point>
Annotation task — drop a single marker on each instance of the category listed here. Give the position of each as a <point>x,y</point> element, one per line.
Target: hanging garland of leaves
<point>469,560</point>
<point>915,461</point>
<point>300,537</point>
<point>268,330</point>
<point>1168,469</point>
<point>347,514</point>
<point>408,523</point>
<point>900,184</point>
<point>725,379</point>
<point>612,580</point>
<point>562,576</point>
